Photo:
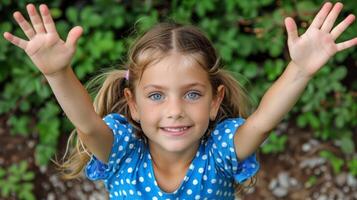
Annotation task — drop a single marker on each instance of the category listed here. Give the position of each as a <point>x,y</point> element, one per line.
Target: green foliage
<point>274,144</point>
<point>16,181</point>
<point>248,34</point>
<point>311,181</point>
<point>352,166</point>
<point>336,162</point>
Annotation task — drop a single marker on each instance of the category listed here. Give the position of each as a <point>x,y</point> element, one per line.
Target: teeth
<point>175,129</point>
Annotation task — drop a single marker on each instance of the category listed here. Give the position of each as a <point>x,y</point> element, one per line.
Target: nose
<point>175,108</point>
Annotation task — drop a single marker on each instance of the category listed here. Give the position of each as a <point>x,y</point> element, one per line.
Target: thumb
<point>73,36</point>
<point>291,29</point>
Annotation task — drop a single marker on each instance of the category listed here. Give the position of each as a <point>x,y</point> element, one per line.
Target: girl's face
<point>174,102</point>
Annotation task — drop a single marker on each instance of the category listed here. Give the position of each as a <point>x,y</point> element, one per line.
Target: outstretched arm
<point>52,56</point>
<point>309,53</point>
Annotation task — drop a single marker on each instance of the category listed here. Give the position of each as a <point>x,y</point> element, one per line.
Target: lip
<point>175,130</point>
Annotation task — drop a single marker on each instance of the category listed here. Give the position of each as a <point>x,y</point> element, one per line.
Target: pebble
<point>341,179</point>
<point>312,162</point>
<point>322,197</point>
<point>43,169</point>
<point>51,196</point>
<point>280,192</point>
<point>351,181</point>
<point>283,179</point>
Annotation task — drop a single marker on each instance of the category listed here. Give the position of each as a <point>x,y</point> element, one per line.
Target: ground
<point>287,175</point>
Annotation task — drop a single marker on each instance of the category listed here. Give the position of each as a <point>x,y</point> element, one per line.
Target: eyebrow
<point>185,86</point>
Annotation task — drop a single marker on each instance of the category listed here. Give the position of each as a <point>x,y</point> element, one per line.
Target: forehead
<point>175,70</point>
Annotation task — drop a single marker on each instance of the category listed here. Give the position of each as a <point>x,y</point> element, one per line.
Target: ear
<point>129,96</point>
<point>216,102</point>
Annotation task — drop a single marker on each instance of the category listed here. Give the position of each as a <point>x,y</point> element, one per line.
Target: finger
<point>25,26</point>
<point>321,15</point>
<point>331,18</point>
<point>35,19</point>
<point>47,19</point>
<point>15,40</point>
<point>73,36</point>
<point>342,26</point>
<point>291,29</point>
<point>347,44</point>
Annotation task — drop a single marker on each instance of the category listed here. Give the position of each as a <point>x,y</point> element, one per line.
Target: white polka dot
<point>131,146</point>
<point>113,155</point>
<point>205,177</point>
<point>116,194</point>
<point>209,190</point>
<point>130,170</point>
<point>216,132</point>
<point>197,197</point>
<point>189,191</point>
<point>213,181</point>
<point>116,182</point>
<point>227,130</point>
<point>141,179</point>
<point>230,136</point>
<point>204,157</point>
<point>147,189</point>
<point>192,167</point>
<point>145,165</point>
<point>133,182</point>
<point>131,192</point>
<point>195,182</point>
<point>120,148</point>
<point>139,193</point>
<point>128,160</point>
<point>160,194</point>
<point>200,170</point>
<point>149,175</point>
<point>126,138</point>
<point>224,144</point>
<point>120,132</point>
<point>154,198</point>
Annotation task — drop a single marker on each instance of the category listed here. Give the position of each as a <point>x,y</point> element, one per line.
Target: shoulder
<point>229,125</point>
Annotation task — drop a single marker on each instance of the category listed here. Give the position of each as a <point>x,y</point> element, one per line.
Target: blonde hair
<point>151,47</point>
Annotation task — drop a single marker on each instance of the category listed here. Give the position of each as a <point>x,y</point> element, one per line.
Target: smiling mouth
<point>176,131</point>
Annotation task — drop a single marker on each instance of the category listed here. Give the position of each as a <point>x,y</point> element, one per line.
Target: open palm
<point>313,49</point>
<point>45,48</point>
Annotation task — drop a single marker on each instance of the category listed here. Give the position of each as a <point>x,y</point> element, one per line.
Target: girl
<point>173,123</point>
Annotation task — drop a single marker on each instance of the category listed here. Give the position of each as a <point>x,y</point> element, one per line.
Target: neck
<point>171,162</point>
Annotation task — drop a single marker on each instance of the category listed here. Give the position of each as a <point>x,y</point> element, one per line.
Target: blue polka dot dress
<point>129,173</point>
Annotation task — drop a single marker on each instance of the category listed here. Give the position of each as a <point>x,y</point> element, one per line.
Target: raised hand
<point>313,49</point>
<point>44,46</point>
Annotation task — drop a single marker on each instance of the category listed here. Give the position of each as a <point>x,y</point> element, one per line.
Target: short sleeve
<point>224,153</point>
<point>123,137</point>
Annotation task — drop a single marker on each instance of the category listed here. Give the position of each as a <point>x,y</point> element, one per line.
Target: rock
<point>351,181</point>
<point>283,179</point>
<point>306,147</point>
<point>341,179</point>
<point>273,184</point>
<point>51,196</point>
<point>322,197</point>
<point>312,162</point>
<point>87,187</point>
<point>293,182</point>
<point>280,192</point>
<point>43,169</point>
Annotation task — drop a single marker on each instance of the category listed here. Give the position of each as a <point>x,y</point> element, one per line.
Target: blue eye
<point>193,95</point>
<point>155,97</point>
